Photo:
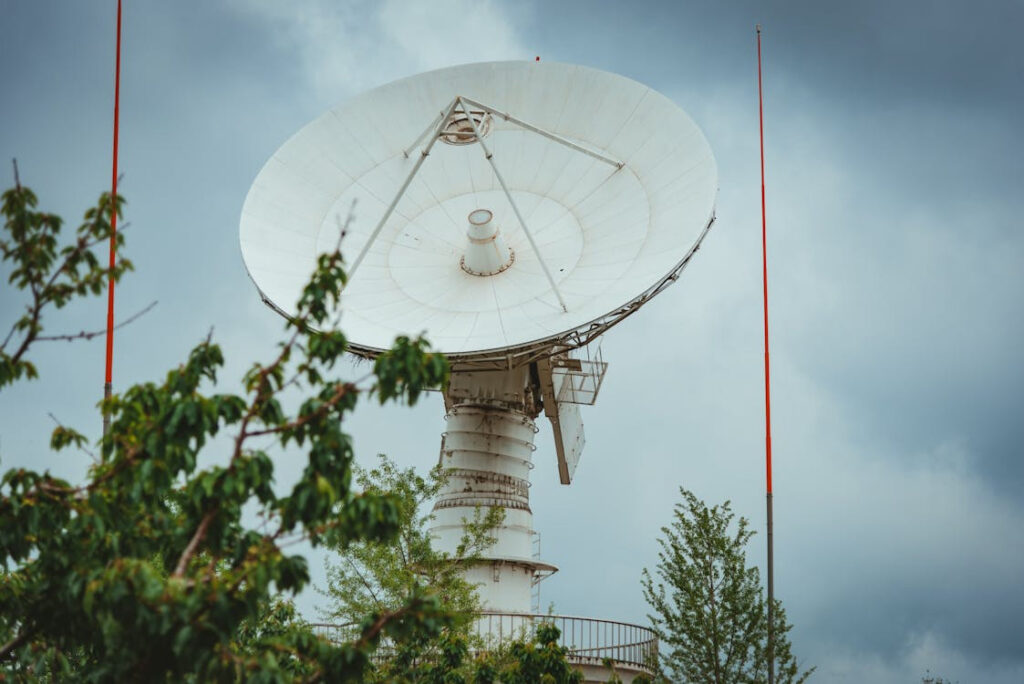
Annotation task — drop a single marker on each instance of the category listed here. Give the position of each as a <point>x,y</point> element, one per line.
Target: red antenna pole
<point>767,381</point>
<point>108,377</point>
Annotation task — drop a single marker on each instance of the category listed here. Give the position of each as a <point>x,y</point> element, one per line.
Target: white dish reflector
<point>609,236</point>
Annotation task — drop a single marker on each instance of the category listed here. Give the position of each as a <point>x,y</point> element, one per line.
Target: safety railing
<point>589,641</point>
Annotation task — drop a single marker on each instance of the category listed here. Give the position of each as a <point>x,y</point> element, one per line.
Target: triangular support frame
<point>438,125</point>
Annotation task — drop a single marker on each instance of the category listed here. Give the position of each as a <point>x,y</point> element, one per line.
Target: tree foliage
<point>527,660</point>
<point>541,659</point>
<point>710,613</point>
<point>51,274</point>
<point>147,570</point>
<point>375,575</point>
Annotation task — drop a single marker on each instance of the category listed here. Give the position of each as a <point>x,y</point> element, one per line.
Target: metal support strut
<point>401,191</point>
<point>437,125</point>
<point>522,223</point>
<point>547,134</point>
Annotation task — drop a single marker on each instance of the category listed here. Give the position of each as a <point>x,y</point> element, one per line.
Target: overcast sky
<point>896,254</point>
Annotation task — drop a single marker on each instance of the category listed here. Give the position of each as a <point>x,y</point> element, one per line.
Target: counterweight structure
<point>514,212</point>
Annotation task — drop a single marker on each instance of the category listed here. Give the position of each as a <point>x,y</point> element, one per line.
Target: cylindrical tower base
<point>487,452</point>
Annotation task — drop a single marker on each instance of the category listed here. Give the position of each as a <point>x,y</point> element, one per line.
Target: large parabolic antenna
<point>512,211</point>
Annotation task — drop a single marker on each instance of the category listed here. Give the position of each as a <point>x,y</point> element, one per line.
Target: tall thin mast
<point>767,381</point>
<point>108,376</point>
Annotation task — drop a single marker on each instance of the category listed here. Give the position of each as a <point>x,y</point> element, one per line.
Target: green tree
<point>528,660</point>
<point>540,659</point>
<point>375,575</point>
<point>147,571</point>
<point>380,576</point>
<point>709,610</point>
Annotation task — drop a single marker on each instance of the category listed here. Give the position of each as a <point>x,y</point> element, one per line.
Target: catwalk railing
<point>590,641</point>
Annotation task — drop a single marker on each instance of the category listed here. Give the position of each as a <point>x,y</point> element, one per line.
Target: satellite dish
<point>511,211</point>
<point>614,184</point>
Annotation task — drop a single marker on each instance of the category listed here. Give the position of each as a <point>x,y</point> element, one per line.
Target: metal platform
<point>632,649</point>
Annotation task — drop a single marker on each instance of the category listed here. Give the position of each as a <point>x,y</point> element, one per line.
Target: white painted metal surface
<point>486,253</point>
<point>606,234</point>
<point>488,452</point>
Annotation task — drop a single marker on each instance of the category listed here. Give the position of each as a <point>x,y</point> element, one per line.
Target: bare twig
<point>10,334</point>
<point>83,335</point>
<point>365,582</point>
<point>379,624</point>
<point>193,544</point>
<point>14,643</point>
<point>343,228</point>
<point>340,390</point>
<point>342,232</point>
<point>60,424</point>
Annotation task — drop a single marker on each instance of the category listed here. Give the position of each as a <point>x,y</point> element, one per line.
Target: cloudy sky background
<point>895,249</point>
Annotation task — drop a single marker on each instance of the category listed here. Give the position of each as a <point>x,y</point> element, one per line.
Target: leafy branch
<point>147,569</point>
<point>52,275</point>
